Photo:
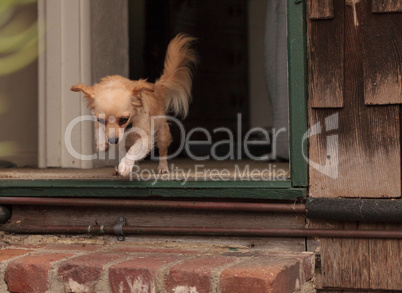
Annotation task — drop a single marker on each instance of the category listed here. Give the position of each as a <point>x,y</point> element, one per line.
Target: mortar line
<point>55,283</point>
<point>215,279</point>
<point>164,271</point>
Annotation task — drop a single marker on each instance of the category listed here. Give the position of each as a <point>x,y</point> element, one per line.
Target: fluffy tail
<point>176,80</point>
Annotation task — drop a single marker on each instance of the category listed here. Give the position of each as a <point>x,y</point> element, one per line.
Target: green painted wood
<point>75,192</point>
<point>94,188</point>
<point>125,184</point>
<point>297,60</point>
<point>252,193</point>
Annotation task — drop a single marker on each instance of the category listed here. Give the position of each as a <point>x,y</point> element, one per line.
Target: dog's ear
<point>136,101</point>
<point>138,87</point>
<point>87,90</point>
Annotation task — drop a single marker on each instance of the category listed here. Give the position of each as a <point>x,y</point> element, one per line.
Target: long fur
<point>137,101</point>
<point>176,80</point>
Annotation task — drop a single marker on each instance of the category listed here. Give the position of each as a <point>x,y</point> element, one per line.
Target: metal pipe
<point>203,231</point>
<point>5,214</point>
<point>355,209</point>
<point>337,209</point>
<point>155,204</point>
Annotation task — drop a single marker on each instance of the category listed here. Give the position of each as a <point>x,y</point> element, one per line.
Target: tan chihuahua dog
<point>123,106</point>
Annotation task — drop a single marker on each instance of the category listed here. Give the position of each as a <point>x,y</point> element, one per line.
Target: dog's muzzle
<point>113,140</point>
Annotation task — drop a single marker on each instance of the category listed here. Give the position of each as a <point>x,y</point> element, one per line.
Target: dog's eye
<point>123,120</point>
<point>102,121</point>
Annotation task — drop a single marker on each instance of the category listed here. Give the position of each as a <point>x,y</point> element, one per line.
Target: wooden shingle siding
<point>326,46</point>
<point>322,9</point>
<point>367,150</point>
<point>363,142</point>
<point>384,6</point>
<point>382,56</point>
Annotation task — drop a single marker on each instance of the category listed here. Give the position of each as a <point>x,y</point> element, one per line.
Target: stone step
<point>121,268</point>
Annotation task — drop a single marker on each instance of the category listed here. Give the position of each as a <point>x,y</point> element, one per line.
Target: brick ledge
<point>127,268</point>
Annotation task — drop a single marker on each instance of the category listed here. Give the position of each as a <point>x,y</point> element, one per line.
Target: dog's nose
<point>113,140</point>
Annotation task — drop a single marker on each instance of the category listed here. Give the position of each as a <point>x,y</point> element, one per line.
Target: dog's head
<point>114,102</point>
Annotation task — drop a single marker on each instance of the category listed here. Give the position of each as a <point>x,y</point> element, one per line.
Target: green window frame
<point>293,189</point>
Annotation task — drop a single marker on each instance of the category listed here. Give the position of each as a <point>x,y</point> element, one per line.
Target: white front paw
<point>102,146</point>
<point>125,167</point>
<point>163,168</point>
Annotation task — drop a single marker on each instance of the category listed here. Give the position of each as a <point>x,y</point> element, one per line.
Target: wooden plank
<point>49,215</point>
<point>328,250</point>
<point>385,259</point>
<point>353,260</point>
<point>344,262</point>
<point>297,65</point>
<point>365,140</point>
<point>152,217</point>
<point>362,263</point>
<point>384,6</point>
<point>382,56</point>
<point>371,264</point>
<point>326,43</point>
<point>322,9</point>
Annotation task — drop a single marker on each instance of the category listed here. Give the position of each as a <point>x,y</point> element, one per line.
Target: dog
<point>123,106</point>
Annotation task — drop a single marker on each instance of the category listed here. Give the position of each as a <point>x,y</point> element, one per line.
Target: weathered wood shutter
<point>354,63</point>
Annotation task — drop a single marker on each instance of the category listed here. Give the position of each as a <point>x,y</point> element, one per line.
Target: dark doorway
<point>221,82</point>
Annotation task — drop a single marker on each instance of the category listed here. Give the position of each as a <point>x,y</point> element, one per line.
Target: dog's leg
<point>138,151</point>
<point>163,140</point>
<point>102,144</point>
